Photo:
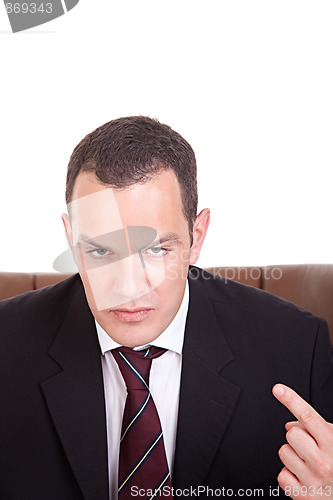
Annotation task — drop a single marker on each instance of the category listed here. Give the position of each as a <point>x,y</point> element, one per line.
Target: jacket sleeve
<point>321,389</point>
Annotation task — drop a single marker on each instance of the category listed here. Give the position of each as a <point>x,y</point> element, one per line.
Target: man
<point>72,353</point>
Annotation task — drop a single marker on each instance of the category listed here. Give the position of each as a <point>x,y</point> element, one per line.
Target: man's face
<point>132,247</point>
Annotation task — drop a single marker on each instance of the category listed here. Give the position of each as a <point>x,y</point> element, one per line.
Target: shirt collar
<point>172,338</point>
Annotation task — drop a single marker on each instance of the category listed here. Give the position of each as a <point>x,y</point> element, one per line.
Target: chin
<point>134,339</point>
<point>127,333</point>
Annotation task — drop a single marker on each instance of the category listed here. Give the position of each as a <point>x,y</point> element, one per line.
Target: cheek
<point>170,297</point>
<point>172,288</point>
<point>176,266</point>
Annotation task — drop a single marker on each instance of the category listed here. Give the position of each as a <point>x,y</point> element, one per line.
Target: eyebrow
<point>83,238</point>
<point>168,238</point>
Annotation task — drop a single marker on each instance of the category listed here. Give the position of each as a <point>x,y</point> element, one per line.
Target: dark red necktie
<point>142,459</point>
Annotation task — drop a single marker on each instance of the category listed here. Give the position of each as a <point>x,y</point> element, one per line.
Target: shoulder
<point>41,308</point>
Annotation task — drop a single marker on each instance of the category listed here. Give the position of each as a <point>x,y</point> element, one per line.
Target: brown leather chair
<point>307,285</point>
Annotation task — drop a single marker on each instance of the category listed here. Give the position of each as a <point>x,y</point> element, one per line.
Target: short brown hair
<point>132,150</point>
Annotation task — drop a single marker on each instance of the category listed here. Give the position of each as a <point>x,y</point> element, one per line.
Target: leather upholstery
<point>310,286</point>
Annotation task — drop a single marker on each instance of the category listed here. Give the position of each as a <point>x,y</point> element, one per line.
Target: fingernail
<point>278,390</point>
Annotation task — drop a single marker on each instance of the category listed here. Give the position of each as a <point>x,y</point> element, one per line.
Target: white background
<point>248,83</point>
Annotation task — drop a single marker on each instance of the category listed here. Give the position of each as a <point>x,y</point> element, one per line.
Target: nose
<point>130,279</point>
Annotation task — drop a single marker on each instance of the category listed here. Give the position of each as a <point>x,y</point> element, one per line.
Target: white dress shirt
<point>164,387</point>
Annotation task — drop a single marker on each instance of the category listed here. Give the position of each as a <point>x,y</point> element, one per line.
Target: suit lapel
<point>207,399</point>
<point>75,398</point>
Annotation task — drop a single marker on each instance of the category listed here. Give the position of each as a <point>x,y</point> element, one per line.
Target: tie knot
<point>135,365</point>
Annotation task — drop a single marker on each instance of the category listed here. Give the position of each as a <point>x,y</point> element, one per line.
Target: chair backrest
<point>309,286</point>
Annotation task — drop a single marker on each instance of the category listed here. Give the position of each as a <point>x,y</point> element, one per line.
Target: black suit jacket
<point>239,342</point>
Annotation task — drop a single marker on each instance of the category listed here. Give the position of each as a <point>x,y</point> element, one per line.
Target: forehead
<point>97,209</point>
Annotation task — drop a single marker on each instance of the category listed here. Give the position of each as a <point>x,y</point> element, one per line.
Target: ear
<point>68,229</point>
<point>200,228</point>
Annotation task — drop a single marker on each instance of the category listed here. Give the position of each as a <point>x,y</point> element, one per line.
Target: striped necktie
<point>142,459</point>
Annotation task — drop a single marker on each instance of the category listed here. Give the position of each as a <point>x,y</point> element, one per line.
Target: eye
<point>157,251</point>
<point>99,252</point>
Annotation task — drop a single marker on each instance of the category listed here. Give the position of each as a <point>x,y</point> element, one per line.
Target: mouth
<point>128,315</point>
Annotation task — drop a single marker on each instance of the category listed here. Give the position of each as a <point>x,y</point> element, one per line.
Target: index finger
<point>305,414</point>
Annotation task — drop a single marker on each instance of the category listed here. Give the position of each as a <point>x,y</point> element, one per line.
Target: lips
<point>128,315</point>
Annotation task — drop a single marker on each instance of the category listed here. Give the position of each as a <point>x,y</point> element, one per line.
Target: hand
<point>308,456</point>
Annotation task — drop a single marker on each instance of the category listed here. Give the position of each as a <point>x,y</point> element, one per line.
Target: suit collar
<point>207,400</point>
<point>75,398</point>
<point>77,333</point>
<point>203,334</point>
